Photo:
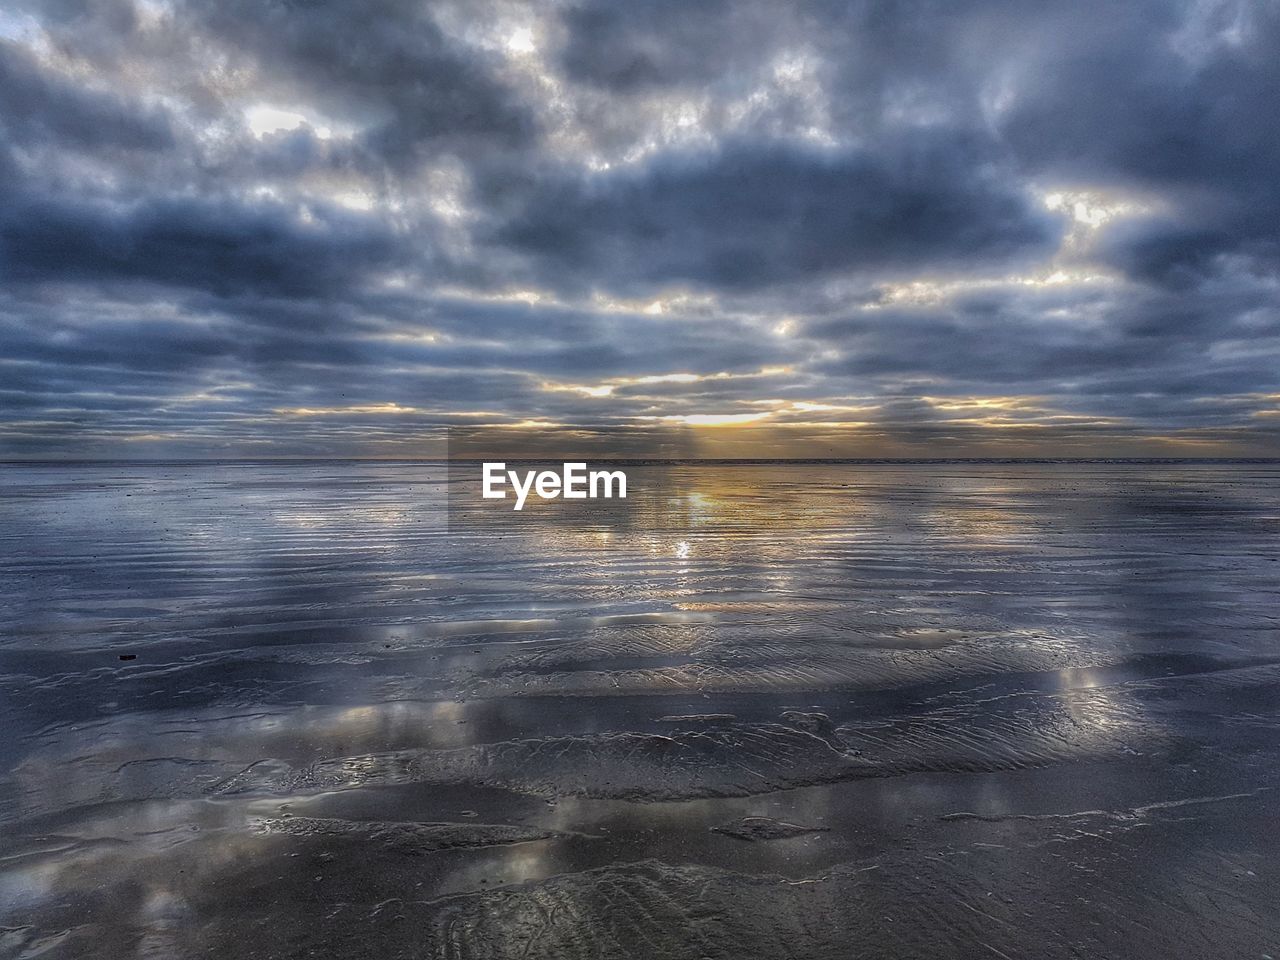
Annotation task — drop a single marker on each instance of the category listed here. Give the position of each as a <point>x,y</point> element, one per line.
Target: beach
<point>802,710</point>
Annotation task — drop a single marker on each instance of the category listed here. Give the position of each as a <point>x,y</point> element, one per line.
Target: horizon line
<point>44,461</point>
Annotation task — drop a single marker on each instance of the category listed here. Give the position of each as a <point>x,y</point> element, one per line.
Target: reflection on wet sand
<point>755,710</point>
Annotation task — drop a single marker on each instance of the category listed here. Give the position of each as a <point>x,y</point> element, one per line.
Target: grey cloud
<point>222,246</point>
<point>37,107</point>
<point>168,272</point>
<point>384,65</point>
<point>653,44</point>
<point>1110,346</point>
<point>1172,100</point>
<point>758,215</point>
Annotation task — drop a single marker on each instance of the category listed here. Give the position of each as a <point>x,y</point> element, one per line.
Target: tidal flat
<point>821,710</point>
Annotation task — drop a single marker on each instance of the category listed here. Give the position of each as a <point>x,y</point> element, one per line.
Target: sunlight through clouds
<point>827,229</point>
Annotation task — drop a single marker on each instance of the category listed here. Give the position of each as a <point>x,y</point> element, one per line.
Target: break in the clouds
<point>292,227</point>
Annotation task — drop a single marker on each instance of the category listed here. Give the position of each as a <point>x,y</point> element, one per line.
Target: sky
<point>287,228</point>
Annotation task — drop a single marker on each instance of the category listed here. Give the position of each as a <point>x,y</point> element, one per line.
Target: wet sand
<point>802,711</point>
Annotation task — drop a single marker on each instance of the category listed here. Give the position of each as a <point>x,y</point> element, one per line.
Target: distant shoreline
<point>643,461</point>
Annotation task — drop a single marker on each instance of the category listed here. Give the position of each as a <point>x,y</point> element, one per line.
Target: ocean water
<point>336,709</point>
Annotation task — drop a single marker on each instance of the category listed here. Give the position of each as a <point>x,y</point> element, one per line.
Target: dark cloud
<point>38,107</point>
<point>383,65</point>
<point>624,47</point>
<point>755,216</point>
<point>319,227</point>
<point>1104,342</point>
<point>220,246</point>
<point>1173,100</point>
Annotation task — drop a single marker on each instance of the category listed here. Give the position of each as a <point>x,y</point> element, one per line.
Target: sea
<point>348,709</point>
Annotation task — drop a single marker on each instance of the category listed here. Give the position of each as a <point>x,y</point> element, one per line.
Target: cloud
<point>41,107</point>
<point>385,67</point>
<point>755,215</point>
<point>1170,100</point>
<point>221,246</point>
<point>817,227</point>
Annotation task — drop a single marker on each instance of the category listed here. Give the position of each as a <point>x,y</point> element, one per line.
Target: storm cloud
<point>294,227</point>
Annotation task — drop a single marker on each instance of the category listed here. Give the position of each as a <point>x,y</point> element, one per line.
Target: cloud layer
<point>286,227</point>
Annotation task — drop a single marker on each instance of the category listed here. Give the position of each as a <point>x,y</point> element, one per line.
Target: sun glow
<point>520,41</point>
<point>264,120</point>
<point>607,388</point>
<point>375,408</point>
<point>715,419</point>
